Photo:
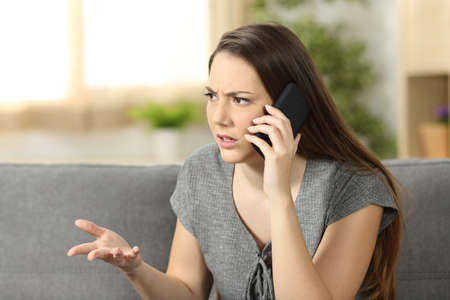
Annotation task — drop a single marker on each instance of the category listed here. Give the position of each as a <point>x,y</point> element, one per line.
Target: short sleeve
<point>181,200</point>
<point>359,191</point>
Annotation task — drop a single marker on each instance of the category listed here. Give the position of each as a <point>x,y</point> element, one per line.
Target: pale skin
<point>264,192</point>
<point>108,246</point>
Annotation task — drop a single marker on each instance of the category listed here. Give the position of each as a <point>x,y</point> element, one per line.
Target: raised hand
<point>108,246</point>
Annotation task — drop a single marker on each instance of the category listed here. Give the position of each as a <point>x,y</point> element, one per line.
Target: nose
<point>221,112</point>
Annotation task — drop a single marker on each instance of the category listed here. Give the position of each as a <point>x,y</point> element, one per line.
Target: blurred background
<point>122,81</point>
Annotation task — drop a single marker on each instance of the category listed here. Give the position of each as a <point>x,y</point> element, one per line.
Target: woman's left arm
<point>340,262</point>
<point>343,256</point>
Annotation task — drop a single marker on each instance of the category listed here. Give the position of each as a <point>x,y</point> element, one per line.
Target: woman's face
<point>232,113</point>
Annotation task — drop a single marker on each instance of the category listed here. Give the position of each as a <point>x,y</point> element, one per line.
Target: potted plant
<point>342,62</point>
<point>434,135</point>
<point>166,121</point>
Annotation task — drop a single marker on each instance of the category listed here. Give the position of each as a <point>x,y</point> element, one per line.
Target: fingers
<point>276,112</point>
<point>129,255</point>
<point>283,124</point>
<point>82,249</point>
<point>260,143</point>
<point>90,227</point>
<point>272,120</point>
<point>101,253</point>
<point>115,254</point>
<point>275,135</point>
<point>297,141</point>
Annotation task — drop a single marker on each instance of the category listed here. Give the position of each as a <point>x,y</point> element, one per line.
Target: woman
<point>318,218</point>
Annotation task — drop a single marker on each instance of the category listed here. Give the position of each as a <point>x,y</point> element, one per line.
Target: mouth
<point>225,138</point>
<point>226,141</point>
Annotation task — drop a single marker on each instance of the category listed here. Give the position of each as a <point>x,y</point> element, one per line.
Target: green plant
<point>176,115</point>
<point>294,3</point>
<point>344,67</point>
<point>260,5</point>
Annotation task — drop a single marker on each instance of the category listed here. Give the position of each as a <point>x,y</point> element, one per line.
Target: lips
<point>221,136</point>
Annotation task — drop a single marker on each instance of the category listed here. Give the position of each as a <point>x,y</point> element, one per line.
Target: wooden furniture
<point>425,69</point>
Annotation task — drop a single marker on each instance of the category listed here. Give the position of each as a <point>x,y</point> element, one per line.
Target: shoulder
<point>205,161</point>
<point>323,172</point>
<point>206,157</point>
<point>357,186</point>
<point>360,177</point>
<point>205,153</point>
<point>324,165</point>
<point>343,179</point>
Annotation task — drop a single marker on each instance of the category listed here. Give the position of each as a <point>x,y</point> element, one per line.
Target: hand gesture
<point>108,246</point>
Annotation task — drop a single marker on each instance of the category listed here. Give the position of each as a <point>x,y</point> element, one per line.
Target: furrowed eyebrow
<point>232,93</point>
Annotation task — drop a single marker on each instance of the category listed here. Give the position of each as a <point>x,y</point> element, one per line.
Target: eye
<point>241,99</point>
<point>209,95</point>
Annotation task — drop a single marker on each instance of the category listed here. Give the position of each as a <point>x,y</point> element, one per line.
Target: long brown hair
<point>279,57</point>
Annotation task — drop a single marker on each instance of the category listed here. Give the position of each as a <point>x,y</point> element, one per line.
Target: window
<point>125,43</point>
<point>141,42</point>
<point>33,52</point>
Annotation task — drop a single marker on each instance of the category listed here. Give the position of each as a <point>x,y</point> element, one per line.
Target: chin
<point>230,156</point>
<point>237,155</point>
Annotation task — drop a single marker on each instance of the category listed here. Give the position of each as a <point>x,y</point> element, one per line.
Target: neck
<point>252,172</point>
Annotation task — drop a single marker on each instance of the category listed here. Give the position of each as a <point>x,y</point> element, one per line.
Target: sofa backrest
<point>423,270</point>
<point>40,202</point>
<point>38,206</point>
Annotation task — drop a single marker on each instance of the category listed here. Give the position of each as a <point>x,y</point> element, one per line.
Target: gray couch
<point>40,202</point>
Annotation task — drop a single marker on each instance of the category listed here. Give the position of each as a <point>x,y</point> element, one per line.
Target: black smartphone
<point>292,103</point>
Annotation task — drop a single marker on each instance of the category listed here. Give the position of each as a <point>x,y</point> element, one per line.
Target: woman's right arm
<point>187,276</point>
<point>149,282</point>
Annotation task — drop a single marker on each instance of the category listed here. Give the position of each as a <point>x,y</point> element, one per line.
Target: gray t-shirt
<point>203,201</point>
